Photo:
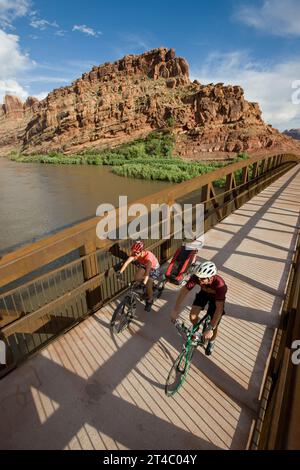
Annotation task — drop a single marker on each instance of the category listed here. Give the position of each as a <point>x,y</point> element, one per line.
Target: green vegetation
<point>175,170</point>
<point>57,158</point>
<point>170,121</point>
<point>150,158</point>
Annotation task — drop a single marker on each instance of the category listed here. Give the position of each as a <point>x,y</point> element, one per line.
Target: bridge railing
<point>50,285</point>
<point>277,426</point>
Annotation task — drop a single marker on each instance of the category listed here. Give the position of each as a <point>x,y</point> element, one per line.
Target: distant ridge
<point>294,133</point>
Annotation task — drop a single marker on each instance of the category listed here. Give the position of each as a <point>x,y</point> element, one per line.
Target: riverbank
<point>151,158</point>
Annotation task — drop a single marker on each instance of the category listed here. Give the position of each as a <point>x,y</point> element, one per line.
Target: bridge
<point>70,383</point>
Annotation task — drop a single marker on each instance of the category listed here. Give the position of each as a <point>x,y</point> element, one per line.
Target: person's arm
<point>218,313</point>
<point>126,264</point>
<point>182,294</point>
<point>147,272</point>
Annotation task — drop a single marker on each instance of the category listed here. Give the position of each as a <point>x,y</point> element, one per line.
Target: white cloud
<point>278,17</point>
<point>12,9</point>
<point>86,30</point>
<point>60,32</point>
<point>12,87</point>
<point>12,59</point>
<point>12,62</point>
<point>42,24</point>
<point>47,79</point>
<point>16,66</point>
<point>42,95</point>
<point>269,85</point>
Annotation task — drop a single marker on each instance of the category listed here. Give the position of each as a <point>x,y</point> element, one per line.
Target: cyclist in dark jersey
<point>213,292</point>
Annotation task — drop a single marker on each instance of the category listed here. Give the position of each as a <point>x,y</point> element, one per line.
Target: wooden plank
<point>245,175</point>
<point>262,167</point>
<point>213,197</point>
<point>255,170</point>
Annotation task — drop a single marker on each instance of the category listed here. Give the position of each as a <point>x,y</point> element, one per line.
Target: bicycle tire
<point>122,316</point>
<point>180,369</point>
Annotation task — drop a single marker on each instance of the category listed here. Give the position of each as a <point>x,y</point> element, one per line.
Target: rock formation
<point>14,117</point>
<point>294,133</point>
<point>120,101</point>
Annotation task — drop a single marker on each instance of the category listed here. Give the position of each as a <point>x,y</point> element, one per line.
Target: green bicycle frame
<point>182,363</point>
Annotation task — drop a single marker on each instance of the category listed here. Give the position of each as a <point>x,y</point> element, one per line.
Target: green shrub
<point>170,121</point>
<point>150,158</point>
<point>242,156</point>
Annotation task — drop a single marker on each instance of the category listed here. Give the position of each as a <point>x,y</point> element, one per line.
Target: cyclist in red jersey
<point>213,292</point>
<point>148,269</point>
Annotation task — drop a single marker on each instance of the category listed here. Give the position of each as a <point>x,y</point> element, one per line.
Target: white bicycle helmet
<point>207,269</point>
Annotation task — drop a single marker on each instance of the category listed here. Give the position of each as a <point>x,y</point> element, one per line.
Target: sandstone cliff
<point>120,101</point>
<point>14,118</point>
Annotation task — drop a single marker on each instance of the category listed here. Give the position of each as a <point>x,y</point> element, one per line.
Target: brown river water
<point>39,199</point>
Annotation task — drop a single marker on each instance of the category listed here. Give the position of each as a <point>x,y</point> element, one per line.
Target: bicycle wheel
<point>122,316</point>
<point>178,372</point>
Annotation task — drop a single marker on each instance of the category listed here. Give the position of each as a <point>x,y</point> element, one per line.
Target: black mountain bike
<point>125,311</point>
<point>193,338</point>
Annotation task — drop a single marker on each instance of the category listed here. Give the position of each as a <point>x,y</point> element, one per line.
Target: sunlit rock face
<point>120,101</point>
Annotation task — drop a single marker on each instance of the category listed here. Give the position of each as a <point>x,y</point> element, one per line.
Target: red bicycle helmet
<point>137,247</point>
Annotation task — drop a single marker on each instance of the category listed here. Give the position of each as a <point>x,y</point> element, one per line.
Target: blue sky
<point>255,43</point>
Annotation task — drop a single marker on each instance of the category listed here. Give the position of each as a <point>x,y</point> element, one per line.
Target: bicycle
<point>125,311</point>
<point>181,365</point>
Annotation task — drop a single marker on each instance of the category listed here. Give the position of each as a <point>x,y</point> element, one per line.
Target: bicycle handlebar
<point>122,281</point>
<point>190,331</point>
<point>134,284</point>
<point>182,328</point>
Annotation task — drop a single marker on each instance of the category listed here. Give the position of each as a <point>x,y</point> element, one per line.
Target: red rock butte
<point>124,100</point>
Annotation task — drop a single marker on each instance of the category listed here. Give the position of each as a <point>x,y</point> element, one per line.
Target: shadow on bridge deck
<point>91,390</point>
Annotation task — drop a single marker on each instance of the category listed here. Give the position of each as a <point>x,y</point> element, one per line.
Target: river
<point>39,199</point>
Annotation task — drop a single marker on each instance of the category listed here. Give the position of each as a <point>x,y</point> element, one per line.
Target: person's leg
<point>194,314</point>
<point>194,317</point>
<point>211,343</point>
<point>149,290</point>
<point>149,295</point>
<point>139,275</point>
<point>198,305</point>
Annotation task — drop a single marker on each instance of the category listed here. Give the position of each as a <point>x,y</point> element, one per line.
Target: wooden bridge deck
<point>91,390</point>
